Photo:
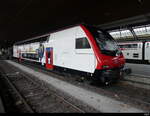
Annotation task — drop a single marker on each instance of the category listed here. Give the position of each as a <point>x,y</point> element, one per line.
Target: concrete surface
<point>95,100</point>
<point>142,70</point>
<point>137,81</point>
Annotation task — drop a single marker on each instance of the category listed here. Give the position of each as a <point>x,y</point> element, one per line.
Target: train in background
<point>136,51</point>
<point>80,48</point>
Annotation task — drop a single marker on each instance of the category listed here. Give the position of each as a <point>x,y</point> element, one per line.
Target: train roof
<point>34,39</point>
<point>44,36</point>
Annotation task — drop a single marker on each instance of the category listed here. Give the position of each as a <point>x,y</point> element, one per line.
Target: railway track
<point>35,97</point>
<point>121,91</point>
<point>18,94</point>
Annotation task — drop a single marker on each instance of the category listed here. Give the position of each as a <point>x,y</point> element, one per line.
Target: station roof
<point>22,19</point>
<point>127,22</point>
<point>134,28</point>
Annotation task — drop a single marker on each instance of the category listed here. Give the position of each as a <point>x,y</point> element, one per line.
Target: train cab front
<point>110,69</point>
<point>110,60</point>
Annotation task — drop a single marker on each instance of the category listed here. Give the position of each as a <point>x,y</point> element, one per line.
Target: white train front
<point>80,48</point>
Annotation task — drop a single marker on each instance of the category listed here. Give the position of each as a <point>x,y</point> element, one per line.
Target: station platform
<point>137,81</point>
<point>141,70</point>
<point>139,76</point>
<point>1,106</point>
<point>95,100</point>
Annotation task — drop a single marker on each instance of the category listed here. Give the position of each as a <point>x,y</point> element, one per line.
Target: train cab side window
<point>82,43</point>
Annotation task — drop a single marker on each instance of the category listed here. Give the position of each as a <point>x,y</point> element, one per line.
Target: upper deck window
<point>82,43</point>
<point>34,40</point>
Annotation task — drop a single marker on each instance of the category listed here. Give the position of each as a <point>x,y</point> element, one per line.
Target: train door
<point>147,51</point>
<point>49,58</point>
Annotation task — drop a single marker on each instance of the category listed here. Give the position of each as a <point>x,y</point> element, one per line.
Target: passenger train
<point>81,48</point>
<point>136,50</point>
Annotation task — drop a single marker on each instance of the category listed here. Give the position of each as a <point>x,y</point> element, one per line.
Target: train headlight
<point>105,66</point>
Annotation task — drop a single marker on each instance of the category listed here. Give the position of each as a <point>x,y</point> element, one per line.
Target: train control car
<point>80,48</point>
<point>136,50</point>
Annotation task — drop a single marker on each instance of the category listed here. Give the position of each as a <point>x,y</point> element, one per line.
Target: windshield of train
<point>105,42</point>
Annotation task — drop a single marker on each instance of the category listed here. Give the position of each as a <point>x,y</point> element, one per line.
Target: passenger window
<point>121,46</point>
<point>134,46</point>
<point>82,43</point>
<point>129,46</point>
